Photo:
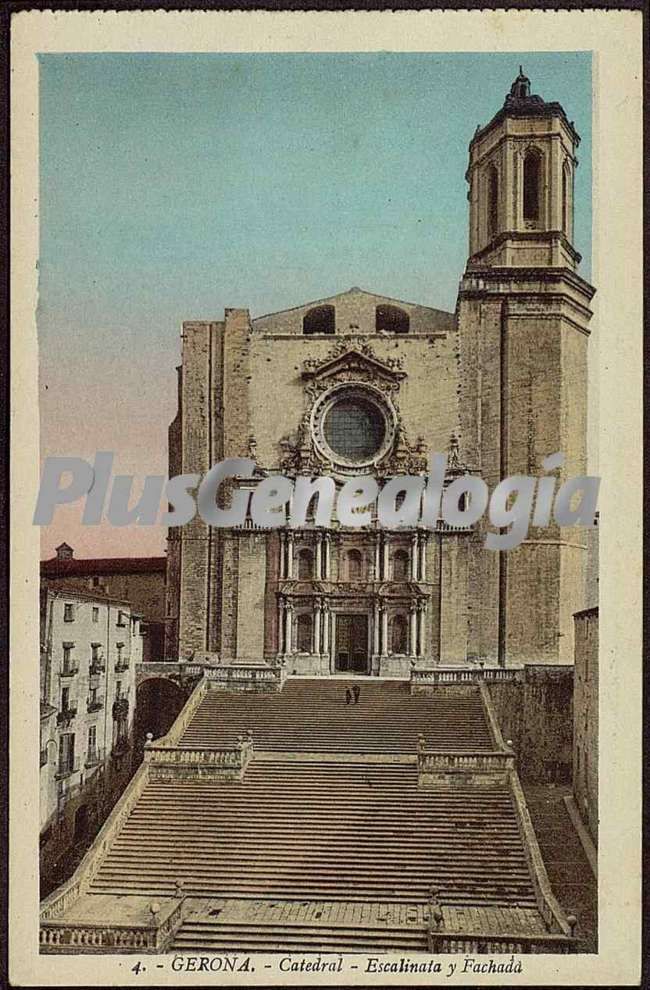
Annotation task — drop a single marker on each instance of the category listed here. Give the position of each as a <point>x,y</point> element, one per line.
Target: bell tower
<point>521,168</point>
<point>523,321</point>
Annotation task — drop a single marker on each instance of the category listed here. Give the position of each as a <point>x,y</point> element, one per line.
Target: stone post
<point>289,554</point>
<point>413,632</point>
<point>316,630</point>
<point>319,556</point>
<point>414,557</point>
<point>384,630</point>
<point>385,567</point>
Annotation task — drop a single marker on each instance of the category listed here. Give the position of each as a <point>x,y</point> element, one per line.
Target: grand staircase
<point>312,715</point>
<point>328,842</point>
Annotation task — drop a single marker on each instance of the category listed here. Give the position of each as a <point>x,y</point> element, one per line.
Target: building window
<point>355,565</point>
<point>566,199</point>
<point>68,612</point>
<point>493,200</point>
<point>94,651</point>
<point>354,429</point>
<point>320,319</point>
<point>398,634</point>
<point>95,614</point>
<point>66,753</point>
<point>532,185</point>
<point>68,662</point>
<point>391,319</point>
<point>92,741</point>
<point>118,689</point>
<point>303,633</point>
<point>95,582</point>
<point>305,565</point>
<point>400,565</point>
<point>65,699</point>
<point>121,619</point>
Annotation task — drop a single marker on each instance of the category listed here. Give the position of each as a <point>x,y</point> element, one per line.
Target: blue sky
<point>173,186</point>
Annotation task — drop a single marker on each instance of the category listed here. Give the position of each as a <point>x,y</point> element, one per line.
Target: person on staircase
<point>348,696</point>
<point>356,690</point>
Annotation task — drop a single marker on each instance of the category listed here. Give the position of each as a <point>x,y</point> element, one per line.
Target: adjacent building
<point>90,644</point>
<point>585,719</point>
<point>360,383</point>
<point>138,580</point>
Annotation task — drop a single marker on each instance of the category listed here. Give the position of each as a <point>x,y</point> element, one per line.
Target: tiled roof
<point>90,566</point>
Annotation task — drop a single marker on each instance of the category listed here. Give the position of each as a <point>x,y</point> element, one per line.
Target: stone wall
<point>585,719</point>
<point>535,712</point>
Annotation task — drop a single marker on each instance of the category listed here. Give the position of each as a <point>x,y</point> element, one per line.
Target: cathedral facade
<point>360,383</point>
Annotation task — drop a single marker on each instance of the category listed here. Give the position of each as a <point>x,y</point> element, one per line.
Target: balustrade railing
<point>246,676</point>
<point>155,937</point>
<point>445,761</point>
<point>493,944</point>
<point>462,675</point>
<point>232,761</point>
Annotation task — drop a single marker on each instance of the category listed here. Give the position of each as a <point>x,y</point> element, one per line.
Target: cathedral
<point>360,383</point>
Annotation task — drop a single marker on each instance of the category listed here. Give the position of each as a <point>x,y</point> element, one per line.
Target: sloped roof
<point>356,290</point>
<point>91,566</point>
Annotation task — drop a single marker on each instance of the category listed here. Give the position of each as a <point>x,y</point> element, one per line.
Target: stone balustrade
<point>166,762</point>
<point>422,679</point>
<point>246,677</point>
<point>445,766</point>
<point>440,942</point>
<point>89,937</point>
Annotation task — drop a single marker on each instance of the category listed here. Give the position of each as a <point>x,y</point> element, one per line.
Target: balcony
<point>120,708</point>
<point>94,757</point>
<point>121,666</point>
<point>94,704</point>
<point>68,767</point>
<point>66,716</point>
<point>69,670</point>
<point>97,666</point>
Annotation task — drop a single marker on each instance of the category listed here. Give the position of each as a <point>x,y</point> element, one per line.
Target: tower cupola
<point>520,174</point>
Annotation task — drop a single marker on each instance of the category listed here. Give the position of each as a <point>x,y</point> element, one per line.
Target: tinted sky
<point>173,186</point>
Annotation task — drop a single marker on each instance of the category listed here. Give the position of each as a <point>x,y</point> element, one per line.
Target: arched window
<point>398,637</point>
<point>320,319</point>
<point>303,633</point>
<point>566,199</point>
<point>355,565</point>
<point>493,200</point>
<point>391,319</point>
<point>400,565</point>
<point>305,565</point>
<point>532,185</point>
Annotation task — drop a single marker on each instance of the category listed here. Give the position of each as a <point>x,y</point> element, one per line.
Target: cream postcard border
<point>615,39</point>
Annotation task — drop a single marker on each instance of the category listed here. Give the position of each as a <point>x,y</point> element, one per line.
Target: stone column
<point>283,554</point>
<point>423,556</point>
<point>422,611</point>
<point>319,556</point>
<point>281,630</point>
<point>377,556</point>
<point>385,566</point>
<point>326,629</point>
<point>413,630</point>
<point>375,629</point>
<point>316,629</point>
<point>288,628</point>
<point>328,546</point>
<point>289,554</point>
<point>384,631</point>
<point>414,557</point>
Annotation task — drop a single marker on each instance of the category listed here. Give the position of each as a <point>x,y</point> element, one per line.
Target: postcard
<point>326,498</point>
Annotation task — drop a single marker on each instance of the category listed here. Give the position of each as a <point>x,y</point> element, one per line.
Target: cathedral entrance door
<point>352,644</point>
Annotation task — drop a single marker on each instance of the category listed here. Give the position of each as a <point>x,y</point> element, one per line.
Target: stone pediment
<point>356,362</point>
<point>385,589</point>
